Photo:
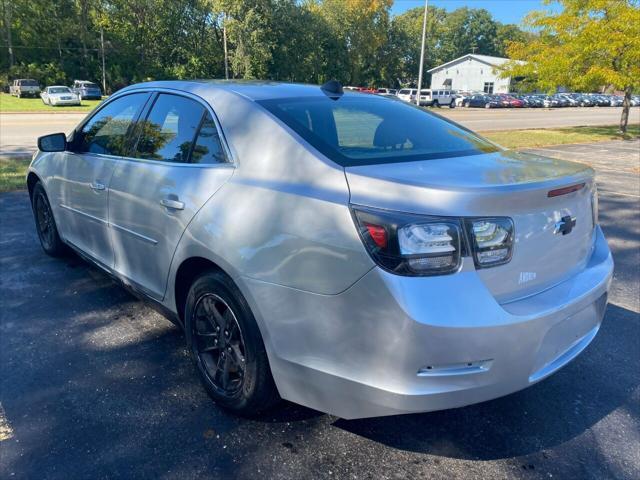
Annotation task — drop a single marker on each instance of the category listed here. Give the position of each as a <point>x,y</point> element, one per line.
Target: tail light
<point>492,240</point>
<point>411,245</point>
<point>418,245</point>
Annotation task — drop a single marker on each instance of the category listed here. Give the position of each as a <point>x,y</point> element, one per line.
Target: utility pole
<point>104,75</point>
<point>224,42</point>
<point>424,36</point>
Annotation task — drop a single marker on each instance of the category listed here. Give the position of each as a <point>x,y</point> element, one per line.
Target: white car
<point>59,95</point>
<point>408,94</point>
<point>443,98</point>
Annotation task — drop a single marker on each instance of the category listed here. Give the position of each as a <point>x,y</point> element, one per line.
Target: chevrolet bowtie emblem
<point>565,225</point>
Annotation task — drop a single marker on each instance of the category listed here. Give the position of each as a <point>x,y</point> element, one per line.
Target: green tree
<point>586,45</point>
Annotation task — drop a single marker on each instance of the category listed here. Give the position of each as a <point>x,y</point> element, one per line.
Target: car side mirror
<point>56,142</point>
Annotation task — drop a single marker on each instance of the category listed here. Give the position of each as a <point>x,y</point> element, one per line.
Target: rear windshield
<point>28,83</point>
<point>60,90</point>
<point>365,130</point>
<point>89,85</point>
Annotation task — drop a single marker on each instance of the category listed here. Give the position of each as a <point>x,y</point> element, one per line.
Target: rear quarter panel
<point>283,217</point>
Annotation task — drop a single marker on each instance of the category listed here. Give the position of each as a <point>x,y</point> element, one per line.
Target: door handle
<point>173,204</point>
<point>96,186</point>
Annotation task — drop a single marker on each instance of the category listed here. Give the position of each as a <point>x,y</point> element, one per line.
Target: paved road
<point>18,132</point>
<point>96,385</point>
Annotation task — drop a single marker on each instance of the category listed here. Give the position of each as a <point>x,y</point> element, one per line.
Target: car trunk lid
<point>505,184</point>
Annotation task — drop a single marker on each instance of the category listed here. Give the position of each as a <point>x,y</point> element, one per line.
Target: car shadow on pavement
<point>535,419</point>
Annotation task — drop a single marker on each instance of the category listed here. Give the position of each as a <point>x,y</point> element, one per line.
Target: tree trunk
<point>626,106</point>
<point>6,6</point>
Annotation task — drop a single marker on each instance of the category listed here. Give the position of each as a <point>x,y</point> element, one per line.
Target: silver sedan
<point>59,95</point>
<point>344,251</point>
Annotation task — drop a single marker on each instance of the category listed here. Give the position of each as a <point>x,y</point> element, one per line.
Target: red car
<point>509,101</point>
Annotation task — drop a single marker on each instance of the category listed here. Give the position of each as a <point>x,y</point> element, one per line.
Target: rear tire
<point>452,104</point>
<point>226,346</point>
<point>45,223</point>
<point>487,105</point>
<point>436,103</point>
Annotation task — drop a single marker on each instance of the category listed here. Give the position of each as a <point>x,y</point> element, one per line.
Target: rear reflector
<point>378,234</point>
<point>564,190</point>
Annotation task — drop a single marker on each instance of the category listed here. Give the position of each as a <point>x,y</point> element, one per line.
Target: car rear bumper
<point>391,344</point>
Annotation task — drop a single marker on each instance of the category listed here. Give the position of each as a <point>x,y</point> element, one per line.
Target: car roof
<point>255,90</point>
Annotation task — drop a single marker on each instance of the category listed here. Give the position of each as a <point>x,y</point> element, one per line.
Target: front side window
<point>370,130</point>
<point>169,130</point>
<point>107,131</point>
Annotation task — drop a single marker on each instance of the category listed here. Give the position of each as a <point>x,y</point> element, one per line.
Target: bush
<point>45,74</point>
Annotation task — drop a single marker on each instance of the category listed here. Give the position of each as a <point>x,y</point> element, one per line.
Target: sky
<point>505,11</point>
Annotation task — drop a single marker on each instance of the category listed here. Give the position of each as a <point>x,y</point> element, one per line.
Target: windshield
<point>60,90</point>
<point>89,85</point>
<point>355,130</point>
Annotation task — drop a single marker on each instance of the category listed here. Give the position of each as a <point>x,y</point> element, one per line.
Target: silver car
<point>59,95</point>
<point>343,251</point>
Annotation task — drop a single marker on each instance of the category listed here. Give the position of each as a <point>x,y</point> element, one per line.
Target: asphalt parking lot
<point>93,384</point>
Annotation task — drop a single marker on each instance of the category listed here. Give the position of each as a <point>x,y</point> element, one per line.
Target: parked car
<point>389,91</point>
<point>408,94</point>
<point>443,98</point>
<point>570,100</point>
<point>24,87</point>
<point>600,100</point>
<point>552,101</point>
<point>87,90</point>
<point>510,101</point>
<point>425,98</point>
<point>59,95</point>
<point>347,252</point>
<point>615,100</point>
<point>483,101</point>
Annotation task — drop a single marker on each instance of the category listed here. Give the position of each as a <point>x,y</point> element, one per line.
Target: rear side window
<point>107,131</point>
<point>370,130</point>
<point>208,147</point>
<point>169,131</point>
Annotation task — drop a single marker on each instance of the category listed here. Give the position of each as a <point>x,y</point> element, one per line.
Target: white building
<point>471,72</point>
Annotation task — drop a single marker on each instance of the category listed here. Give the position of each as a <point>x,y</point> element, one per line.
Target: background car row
<point>56,94</point>
<point>452,98</point>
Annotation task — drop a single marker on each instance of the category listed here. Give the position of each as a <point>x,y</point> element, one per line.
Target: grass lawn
<point>13,172</point>
<point>9,103</point>
<point>558,136</point>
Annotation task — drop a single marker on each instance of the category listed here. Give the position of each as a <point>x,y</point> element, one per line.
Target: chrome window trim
<point>230,163</point>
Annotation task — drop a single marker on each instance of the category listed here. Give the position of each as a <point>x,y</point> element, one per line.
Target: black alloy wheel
<point>226,346</point>
<point>45,223</point>
<point>218,344</point>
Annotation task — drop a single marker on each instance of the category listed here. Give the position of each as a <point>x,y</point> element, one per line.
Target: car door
<point>86,170</point>
<point>179,163</point>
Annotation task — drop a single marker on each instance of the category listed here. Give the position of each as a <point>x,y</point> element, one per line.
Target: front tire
<point>225,344</point>
<point>45,223</point>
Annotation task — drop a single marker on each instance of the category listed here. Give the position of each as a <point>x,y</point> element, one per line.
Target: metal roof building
<point>471,72</point>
